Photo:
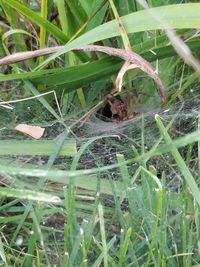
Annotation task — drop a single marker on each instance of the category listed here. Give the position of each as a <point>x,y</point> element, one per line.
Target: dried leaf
<point>34,131</point>
<point>119,80</point>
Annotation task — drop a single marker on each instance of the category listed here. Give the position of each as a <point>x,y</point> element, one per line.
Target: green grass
<point>84,195</point>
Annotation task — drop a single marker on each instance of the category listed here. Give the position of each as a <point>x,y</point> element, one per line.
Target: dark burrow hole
<point>105,113</point>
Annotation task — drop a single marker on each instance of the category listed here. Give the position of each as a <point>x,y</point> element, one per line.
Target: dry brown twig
<point>128,56</point>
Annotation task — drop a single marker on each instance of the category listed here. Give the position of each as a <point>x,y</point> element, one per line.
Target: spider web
<point>125,137</point>
<point>140,134</point>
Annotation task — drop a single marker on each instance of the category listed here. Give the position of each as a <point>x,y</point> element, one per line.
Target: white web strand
<point>186,118</point>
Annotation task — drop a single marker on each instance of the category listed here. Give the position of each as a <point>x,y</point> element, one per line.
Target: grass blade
<point>29,195</point>
<point>27,12</point>
<point>124,247</point>
<point>103,235</point>
<point>180,162</point>
<point>36,147</point>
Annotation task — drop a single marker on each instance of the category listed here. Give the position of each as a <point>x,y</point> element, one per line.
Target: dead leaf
<point>34,131</point>
<point>119,80</point>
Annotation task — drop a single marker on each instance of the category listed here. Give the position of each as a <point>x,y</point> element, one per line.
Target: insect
<point>120,108</point>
